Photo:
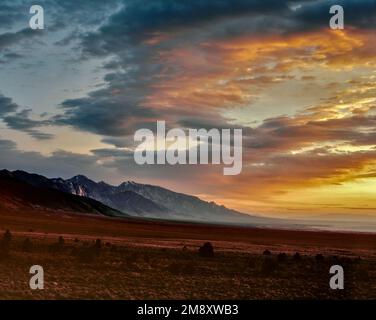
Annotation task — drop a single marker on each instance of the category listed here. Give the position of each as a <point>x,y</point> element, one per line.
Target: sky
<point>73,95</point>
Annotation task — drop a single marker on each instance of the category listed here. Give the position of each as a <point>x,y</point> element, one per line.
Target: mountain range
<point>20,190</point>
<point>129,199</point>
<point>20,195</point>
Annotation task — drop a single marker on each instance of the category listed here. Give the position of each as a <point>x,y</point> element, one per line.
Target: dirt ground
<point>152,260</point>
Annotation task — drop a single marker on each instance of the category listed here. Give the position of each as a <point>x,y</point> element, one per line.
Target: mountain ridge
<point>143,200</point>
<point>18,194</point>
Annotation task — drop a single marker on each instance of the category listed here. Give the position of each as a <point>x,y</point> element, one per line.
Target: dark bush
<point>5,243</point>
<point>98,246</point>
<point>207,250</point>
<point>61,241</point>
<point>58,246</point>
<point>7,238</point>
<point>267,253</point>
<point>297,256</point>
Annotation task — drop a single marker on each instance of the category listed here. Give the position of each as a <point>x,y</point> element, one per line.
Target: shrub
<point>207,250</point>
<point>98,243</point>
<point>297,256</point>
<point>267,253</point>
<point>61,241</point>
<point>5,243</point>
<point>98,246</point>
<point>58,246</point>
<point>7,236</point>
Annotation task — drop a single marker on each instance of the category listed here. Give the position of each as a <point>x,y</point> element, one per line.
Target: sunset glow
<point>304,95</point>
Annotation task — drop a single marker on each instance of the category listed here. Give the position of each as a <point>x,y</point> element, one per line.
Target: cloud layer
<point>303,94</point>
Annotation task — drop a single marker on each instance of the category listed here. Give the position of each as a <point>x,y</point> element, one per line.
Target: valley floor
<point>153,260</point>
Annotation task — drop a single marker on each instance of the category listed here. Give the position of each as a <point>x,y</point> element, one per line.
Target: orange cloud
<point>328,144</point>
<point>231,73</point>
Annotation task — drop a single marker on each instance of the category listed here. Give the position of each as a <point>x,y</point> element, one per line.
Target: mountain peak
<point>81,179</point>
<point>127,183</point>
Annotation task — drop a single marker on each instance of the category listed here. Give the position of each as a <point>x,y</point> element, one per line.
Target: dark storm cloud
<point>9,41</point>
<point>358,13</point>
<point>10,13</point>
<point>136,67</point>
<point>158,15</point>
<point>114,153</point>
<point>6,105</point>
<point>57,12</point>
<point>66,16</point>
<point>10,38</point>
<point>81,13</point>
<point>106,112</point>
<point>135,22</point>
<point>21,120</point>
<point>12,56</point>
